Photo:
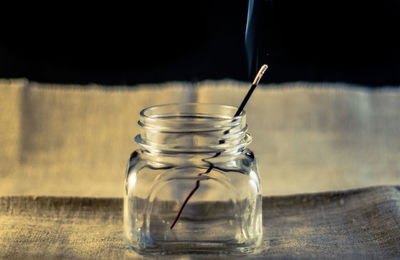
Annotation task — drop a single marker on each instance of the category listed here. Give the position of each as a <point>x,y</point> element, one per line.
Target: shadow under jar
<point>181,146</point>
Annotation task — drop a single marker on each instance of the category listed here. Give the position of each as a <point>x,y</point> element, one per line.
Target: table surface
<point>362,223</point>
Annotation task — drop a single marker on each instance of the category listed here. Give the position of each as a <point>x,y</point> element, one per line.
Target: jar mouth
<point>165,115</point>
<point>192,127</point>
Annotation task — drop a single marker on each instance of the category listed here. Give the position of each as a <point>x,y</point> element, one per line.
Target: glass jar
<point>193,185</point>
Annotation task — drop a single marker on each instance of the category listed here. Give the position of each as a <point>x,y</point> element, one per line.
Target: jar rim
<point>207,127</point>
<point>144,113</point>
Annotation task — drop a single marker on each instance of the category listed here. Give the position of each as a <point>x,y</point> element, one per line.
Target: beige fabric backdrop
<point>75,141</point>
<point>71,140</point>
<point>319,137</point>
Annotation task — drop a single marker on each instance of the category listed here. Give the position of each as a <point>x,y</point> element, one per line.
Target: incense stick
<point>240,109</point>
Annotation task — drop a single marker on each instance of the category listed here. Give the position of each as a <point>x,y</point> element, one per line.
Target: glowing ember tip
<point>260,74</point>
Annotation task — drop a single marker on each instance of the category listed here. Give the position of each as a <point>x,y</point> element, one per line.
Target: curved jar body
<point>193,185</point>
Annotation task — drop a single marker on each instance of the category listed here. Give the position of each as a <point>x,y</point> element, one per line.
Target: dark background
<point>157,41</point>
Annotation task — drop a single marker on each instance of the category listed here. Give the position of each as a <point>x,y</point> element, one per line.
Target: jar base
<point>179,248</point>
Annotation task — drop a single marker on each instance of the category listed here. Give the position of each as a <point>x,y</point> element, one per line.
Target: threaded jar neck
<point>192,128</point>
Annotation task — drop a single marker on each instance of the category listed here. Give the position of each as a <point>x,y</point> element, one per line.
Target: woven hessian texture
<point>361,223</point>
<point>72,140</point>
<point>75,141</point>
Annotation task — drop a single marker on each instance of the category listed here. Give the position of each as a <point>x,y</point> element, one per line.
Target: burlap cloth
<point>70,144</point>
